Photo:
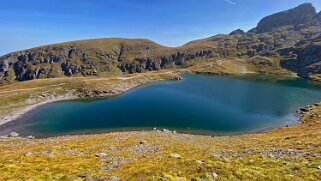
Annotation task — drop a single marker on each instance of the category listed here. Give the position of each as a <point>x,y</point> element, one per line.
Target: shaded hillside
<point>286,41</point>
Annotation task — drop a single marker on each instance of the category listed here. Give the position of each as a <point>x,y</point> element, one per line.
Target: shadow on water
<point>283,80</point>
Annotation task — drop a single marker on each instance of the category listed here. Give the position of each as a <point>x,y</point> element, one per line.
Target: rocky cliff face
<point>292,17</point>
<point>305,60</point>
<point>318,17</point>
<point>290,39</point>
<point>88,58</point>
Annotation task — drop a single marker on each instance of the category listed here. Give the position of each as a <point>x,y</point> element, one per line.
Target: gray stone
<point>101,155</point>
<point>28,153</point>
<point>214,175</point>
<point>56,177</point>
<point>113,178</point>
<point>13,134</point>
<point>175,155</point>
<point>85,175</point>
<point>30,137</point>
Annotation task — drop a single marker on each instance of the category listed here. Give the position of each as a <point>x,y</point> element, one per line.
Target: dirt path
<point>34,88</point>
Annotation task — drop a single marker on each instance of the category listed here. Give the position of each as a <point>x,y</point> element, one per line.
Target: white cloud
<point>230,2</point>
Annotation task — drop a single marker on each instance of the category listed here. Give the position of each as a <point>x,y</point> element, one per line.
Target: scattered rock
<point>219,157</point>
<point>199,161</point>
<point>169,131</point>
<point>85,175</point>
<point>113,178</point>
<point>175,155</point>
<point>216,155</point>
<point>177,78</point>
<point>3,137</point>
<point>165,130</point>
<point>142,142</point>
<point>101,155</point>
<point>48,153</point>
<point>56,177</point>
<point>81,154</point>
<point>13,135</point>
<point>319,167</point>
<point>214,175</point>
<point>30,137</point>
<point>28,153</point>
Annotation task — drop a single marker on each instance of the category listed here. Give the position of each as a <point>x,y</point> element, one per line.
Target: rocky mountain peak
<point>236,32</point>
<point>299,15</point>
<point>319,16</point>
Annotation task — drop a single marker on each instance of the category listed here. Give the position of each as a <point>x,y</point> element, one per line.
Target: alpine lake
<point>197,104</point>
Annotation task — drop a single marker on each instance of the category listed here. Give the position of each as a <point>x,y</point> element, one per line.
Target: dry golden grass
<point>291,153</point>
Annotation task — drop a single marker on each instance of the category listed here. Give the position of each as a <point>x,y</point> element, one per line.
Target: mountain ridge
<point>295,16</point>
<point>290,44</point>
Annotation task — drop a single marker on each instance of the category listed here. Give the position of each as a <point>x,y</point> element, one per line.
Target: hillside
<point>284,43</point>
<point>291,153</point>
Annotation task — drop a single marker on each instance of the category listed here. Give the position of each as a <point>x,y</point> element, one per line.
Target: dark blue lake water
<point>198,103</point>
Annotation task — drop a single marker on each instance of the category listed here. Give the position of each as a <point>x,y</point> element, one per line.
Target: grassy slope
<point>292,153</point>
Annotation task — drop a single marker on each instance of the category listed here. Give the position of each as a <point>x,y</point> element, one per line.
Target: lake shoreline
<point>31,108</point>
<point>20,113</point>
<point>163,129</point>
<point>71,95</point>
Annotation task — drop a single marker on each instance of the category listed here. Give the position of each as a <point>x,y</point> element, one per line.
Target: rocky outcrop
<point>292,17</point>
<point>306,61</point>
<point>237,32</point>
<point>291,37</point>
<point>318,17</point>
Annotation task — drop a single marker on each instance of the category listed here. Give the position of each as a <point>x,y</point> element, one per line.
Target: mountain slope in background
<point>293,17</point>
<point>283,43</point>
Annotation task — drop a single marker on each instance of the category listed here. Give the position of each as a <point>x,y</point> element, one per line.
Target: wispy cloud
<point>230,2</point>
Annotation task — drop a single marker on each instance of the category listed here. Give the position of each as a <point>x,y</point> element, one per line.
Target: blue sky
<point>28,23</point>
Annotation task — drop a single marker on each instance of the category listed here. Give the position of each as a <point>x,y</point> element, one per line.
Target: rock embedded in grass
<point>175,155</point>
<point>30,137</point>
<point>13,134</point>
<point>85,175</point>
<point>55,177</point>
<point>28,153</point>
<point>113,178</point>
<point>214,175</point>
<point>99,155</point>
